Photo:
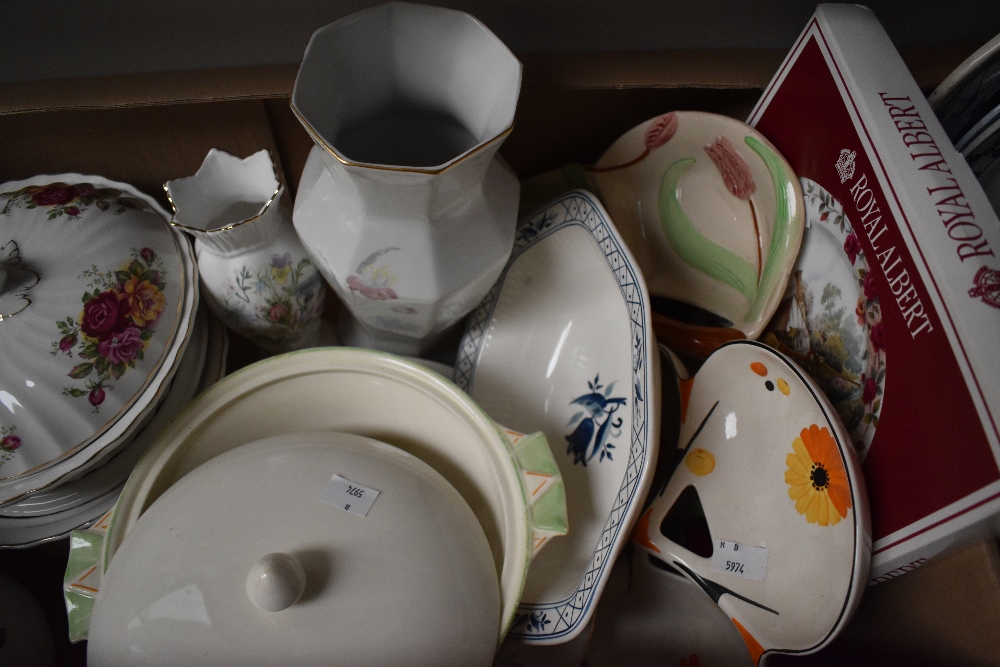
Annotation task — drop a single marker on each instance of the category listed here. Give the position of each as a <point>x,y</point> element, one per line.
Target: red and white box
<point>846,113</point>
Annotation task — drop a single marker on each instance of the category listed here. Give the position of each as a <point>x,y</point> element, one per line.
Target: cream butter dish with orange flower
<point>97,296</point>
<point>775,473</point>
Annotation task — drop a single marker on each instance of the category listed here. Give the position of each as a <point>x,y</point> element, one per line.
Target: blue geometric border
<point>558,621</point>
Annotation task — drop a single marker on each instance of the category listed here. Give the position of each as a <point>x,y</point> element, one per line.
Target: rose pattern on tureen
<point>111,333</point>
<point>9,443</point>
<point>595,424</point>
<point>70,200</point>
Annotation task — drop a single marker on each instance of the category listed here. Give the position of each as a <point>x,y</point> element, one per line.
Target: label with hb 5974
<point>743,560</point>
<point>348,495</point>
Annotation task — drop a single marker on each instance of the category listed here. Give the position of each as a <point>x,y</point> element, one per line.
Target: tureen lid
<point>92,300</point>
<point>309,547</point>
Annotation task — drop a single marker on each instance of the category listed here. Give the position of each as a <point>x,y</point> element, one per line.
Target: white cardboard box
<point>845,111</point>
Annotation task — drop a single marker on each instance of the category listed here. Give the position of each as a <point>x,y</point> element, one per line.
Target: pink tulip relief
<point>734,169</point>
<point>739,181</point>
<point>661,129</point>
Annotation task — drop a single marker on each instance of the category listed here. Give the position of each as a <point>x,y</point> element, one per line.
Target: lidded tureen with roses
<point>96,302</point>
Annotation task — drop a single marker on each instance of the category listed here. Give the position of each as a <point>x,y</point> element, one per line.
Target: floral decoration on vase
<point>373,282</point>
<point>254,272</point>
<point>276,300</point>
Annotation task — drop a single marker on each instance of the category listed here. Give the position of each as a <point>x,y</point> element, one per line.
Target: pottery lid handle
<point>275,581</point>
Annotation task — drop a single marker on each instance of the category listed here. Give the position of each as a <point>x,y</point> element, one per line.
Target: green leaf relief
<point>780,242</point>
<point>692,246</point>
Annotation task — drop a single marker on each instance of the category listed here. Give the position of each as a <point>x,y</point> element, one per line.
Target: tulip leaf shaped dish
<point>404,204</point>
<point>255,274</point>
<point>562,344</point>
<point>789,541</point>
<point>711,211</point>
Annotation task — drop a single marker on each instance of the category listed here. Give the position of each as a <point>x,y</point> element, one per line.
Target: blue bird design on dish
<point>597,424</point>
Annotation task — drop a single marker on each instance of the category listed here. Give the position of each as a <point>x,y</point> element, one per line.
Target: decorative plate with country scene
<point>830,320</point>
<point>562,344</point>
<point>91,309</point>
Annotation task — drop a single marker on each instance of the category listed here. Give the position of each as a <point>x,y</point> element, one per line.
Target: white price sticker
<point>743,560</point>
<point>345,494</point>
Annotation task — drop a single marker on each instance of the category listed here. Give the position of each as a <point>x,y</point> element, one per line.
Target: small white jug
<point>255,274</point>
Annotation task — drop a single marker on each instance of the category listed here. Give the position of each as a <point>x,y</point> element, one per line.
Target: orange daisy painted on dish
<point>817,478</point>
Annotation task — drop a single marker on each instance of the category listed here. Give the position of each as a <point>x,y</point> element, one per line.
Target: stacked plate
<point>968,105</point>
<point>97,314</point>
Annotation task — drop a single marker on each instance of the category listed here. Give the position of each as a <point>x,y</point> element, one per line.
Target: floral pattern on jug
<point>599,408</point>
<point>9,443</point>
<point>278,298</point>
<point>255,274</point>
<point>111,333</point>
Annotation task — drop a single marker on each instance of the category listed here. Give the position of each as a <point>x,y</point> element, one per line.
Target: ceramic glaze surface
<point>404,205</point>
<point>404,279</point>
<point>369,580</point>
<point>830,321</point>
<point>710,209</point>
<point>254,271</point>
<point>440,71</point>
<point>776,474</point>
<point>95,326</point>
<point>355,391</point>
<point>562,344</point>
